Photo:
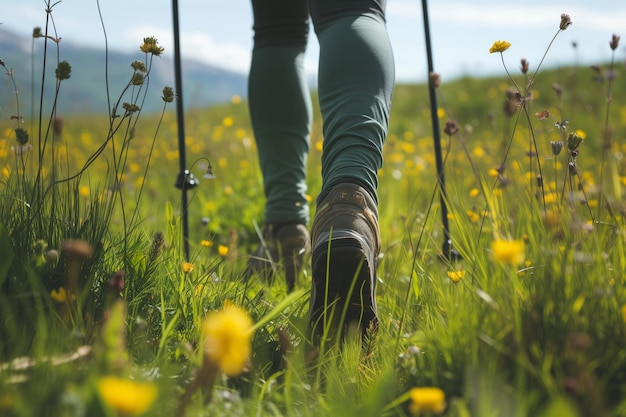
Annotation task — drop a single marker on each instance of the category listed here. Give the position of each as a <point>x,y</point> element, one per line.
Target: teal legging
<point>355,86</point>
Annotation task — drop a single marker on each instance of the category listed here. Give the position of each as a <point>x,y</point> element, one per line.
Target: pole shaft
<point>180,119</point>
<point>436,133</point>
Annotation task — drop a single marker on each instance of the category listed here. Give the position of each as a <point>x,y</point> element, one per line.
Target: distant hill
<point>85,90</point>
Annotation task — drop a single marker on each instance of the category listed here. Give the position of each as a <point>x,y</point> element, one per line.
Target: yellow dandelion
<point>228,190</point>
<point>236,99</point>
<point>474,192</point>
<point>62,295</point>
<point>222,250</point>
<point>206,243</point>
<point>127,397</point>
<point>83,191</point>
<point>199,289</point>
<point>508,251</point>
<point>473,216</point>
<point>427,400</point>
<point>228,121</point>
<point>187,267</point>
<point>499,46</point>
<point>456,276</point>
<point>227,336</point>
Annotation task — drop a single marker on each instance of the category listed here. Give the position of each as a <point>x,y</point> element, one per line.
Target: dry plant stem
<point>205,380</point>
<point>607,140</point>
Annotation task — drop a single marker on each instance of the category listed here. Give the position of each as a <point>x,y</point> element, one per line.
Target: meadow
<point>104,314</point>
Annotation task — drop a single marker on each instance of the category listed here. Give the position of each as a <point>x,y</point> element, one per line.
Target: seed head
<point>565,21</point>
<point>168,94</point>
<point>435,79</point>
<point>614,42</point>
<point>524,65</point>
<point>451,128</point>
<point>138,66</point>
<point>63,71</point>
<point>21,136</point>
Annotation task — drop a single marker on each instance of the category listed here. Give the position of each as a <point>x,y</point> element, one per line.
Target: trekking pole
<point>185,180</point>
<point>448,252</point>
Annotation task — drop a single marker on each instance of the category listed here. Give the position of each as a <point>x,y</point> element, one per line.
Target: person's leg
<point>356,79</point>
<point>280,111</point>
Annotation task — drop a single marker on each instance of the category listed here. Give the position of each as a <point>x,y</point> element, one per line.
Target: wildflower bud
<point>21,136</point>
<point>37,32</point>
<point>451,128</point>
<point>52,255</point>
<point>574,153</point>
<point>573,141</point>
<point>209,172</point>
<point>558,90</point>
<point>524,66</point>
<point>138,66</point>
<point>116,283</point>
<point>614,42</point>
<point>63,71</point>
<point>574,44</point>
<point>130,108</point>
<point>557,146</point>
<point>511,102</point>
<point>565,21</point>
<point>138,78</point>
<point>435,79</point>
<point>57,125</point>
<point>572,168</point>
<point>168,94</point>
<point>539,181</point>
<point>2,63</point>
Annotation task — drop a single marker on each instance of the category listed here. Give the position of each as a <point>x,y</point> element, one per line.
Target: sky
<point>219,32</point>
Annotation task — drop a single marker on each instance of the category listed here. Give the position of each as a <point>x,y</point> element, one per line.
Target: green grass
<point>540,335</point>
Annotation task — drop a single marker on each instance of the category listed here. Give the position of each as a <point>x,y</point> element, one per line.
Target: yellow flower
<point>206,243</point>
<point>508,251</point>
<point>427,399</point>
<point>61,295</point>
<point>226,336</point>
<point>581,133</point>
<point>222,250</point>
<point>187,267</point>
<point>127,397</point>
<point>456,276</point>
<point>499,46</point>
<point>151,46</point>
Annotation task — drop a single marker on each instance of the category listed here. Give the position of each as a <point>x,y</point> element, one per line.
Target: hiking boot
<point>289,244</point>
<point>346,244</point>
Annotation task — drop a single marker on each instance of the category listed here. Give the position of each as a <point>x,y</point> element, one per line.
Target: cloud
<point>199,45</point>
<point>599,17</point>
